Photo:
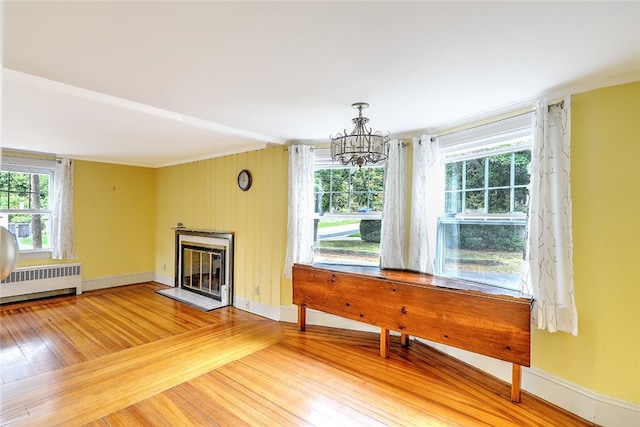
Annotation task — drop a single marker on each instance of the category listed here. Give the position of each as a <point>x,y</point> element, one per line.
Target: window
<point>25,198</point>
<point>481,236</point>
<point>348,205</point>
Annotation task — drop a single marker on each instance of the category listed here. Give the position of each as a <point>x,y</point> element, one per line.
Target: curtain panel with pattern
<point>548,267</point>
<point>62,241</point>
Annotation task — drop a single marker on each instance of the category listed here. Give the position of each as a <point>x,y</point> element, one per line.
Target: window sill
<point>354,215</point>
<point>35,254</point>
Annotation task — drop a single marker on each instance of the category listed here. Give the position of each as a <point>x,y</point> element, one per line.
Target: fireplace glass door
<point>203,270</point>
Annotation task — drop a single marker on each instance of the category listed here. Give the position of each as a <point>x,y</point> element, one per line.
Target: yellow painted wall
<point>114,219</point>
<point>30,262</point>
<point>205,195</point>
<point>605,179</point>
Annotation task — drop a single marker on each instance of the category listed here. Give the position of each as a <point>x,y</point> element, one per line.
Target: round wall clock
<point>244,180</point>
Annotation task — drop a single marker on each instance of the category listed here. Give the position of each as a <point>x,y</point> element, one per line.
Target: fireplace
<point>204,264</point>
<point>203,270</point>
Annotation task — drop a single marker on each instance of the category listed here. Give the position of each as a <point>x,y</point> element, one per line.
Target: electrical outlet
<point>246,304</point>
<point>164,267</point>
<point>256,290</point>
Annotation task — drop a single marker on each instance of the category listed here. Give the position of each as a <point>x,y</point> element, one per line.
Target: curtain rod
<point>559,104</point>
<point>287,148</point>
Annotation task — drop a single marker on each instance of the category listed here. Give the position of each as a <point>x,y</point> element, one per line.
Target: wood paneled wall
<point>205,195</point>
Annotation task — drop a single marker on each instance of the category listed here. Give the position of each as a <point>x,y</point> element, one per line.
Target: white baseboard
<point>240,303</point>
<point>587,404</point>
<point>165,280</point>
<point>595,407</point>
<point>113,281</point>
<point>255,307</point>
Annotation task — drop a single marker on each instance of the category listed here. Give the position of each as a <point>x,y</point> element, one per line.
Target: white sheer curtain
<point>548,267</point>
<point>300,219</point>
<point>394,209</point>
<point>427,203</point>
<point>62,246</point>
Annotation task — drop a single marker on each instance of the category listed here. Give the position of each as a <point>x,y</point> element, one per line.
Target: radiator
<point>41,279</point>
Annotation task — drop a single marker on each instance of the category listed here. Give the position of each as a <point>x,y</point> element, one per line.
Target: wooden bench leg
<point>302,317</point>
<point>516,377</point>
<point>384,343</point>
<point>404,340</point>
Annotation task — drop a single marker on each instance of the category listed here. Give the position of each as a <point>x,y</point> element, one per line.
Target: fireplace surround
<point>204,263</point>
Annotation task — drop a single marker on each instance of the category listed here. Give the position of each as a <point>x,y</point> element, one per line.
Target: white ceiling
<point>154,83</point>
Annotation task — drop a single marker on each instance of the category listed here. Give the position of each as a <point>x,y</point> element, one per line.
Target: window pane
<point>44,191</point>
<point>339,203</point>
<point>475,173</point>
<point>453,173</point>
<point>499,201</point>
<point>376,202</point>
<point>19,185</point>
<point>339,180</point>
<point>4,190</point>
<point>347,241</point>
<point>453,202</point>
<point>24,190</point>
<point>521,199</point>
<point>522,160</point>
<point>322,180</point>
<point>18,201</point>
<point>31,230</point>
<point>474,202</point>
<point>19,193</point>
<point>360,180</point>
<point>500,170</point>
<point>484,253</point>
<point>376,179</point>
<point>4,181</point>
<point>320,202</point>
<point>359,202</point>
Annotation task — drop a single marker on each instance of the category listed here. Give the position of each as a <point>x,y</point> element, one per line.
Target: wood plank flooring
<point>130,357</point>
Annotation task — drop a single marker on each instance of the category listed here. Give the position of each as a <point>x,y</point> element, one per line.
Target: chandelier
<point>361,146</point>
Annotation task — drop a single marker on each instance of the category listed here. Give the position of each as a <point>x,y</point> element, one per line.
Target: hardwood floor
<point>130,357</point>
